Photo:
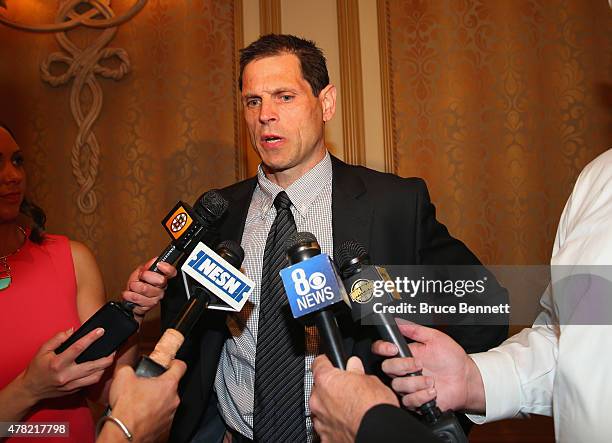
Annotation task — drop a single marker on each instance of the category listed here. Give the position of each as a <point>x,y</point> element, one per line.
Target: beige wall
<point>167,130</point>
<point>496,105</point>
<point>372,95</point>
<point>318,20</point>
<point>299,18</point>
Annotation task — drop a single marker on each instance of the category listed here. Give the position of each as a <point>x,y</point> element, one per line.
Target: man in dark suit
<point>287,99</point>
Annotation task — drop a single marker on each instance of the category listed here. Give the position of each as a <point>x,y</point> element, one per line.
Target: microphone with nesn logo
<point>228,258</point>
<point>187,227</point>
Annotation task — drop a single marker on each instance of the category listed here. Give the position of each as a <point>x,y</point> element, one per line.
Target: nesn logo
<point>210,270</point>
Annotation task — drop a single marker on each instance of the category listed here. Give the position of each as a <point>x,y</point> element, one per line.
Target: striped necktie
<point>279,411</point>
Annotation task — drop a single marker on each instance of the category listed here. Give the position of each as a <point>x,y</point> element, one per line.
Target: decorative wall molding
<point>76,19</point>
<point>240,132</point>
<point>83,64</point>
<point>384,41</point>
<point>270,17</point>
<point>351,95</point>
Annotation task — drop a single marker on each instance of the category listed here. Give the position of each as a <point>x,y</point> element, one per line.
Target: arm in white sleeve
<point>518,375</point>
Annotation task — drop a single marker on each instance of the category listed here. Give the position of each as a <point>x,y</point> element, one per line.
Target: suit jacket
<point>392,425</point>
<point>392,217</point>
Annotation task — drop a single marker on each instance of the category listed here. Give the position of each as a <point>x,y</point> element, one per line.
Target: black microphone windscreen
<point>349,251</point>
<point>300,238</point>
<point>211,205</point>
<point>301,246</point>
<point>234,250</point>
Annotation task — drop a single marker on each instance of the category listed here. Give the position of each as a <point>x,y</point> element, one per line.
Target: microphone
<point>187,226</point>
<point>358,276</point>
<point>230,256</point>
<point>230,289</point>
<point>312,287</point>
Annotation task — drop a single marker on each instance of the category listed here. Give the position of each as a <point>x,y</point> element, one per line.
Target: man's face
<point>285,119</point>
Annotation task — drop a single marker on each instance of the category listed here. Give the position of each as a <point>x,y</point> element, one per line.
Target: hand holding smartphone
<point>118,323</point>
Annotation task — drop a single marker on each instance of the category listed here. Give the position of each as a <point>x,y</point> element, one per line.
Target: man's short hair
<point>312,60</point>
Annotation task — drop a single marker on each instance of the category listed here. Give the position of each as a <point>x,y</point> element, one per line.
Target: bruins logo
<point>179,222</point>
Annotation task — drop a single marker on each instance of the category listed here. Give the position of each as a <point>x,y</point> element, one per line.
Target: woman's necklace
<point>5,268</point>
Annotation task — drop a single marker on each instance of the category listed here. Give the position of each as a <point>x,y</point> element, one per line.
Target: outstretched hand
<point>145,405</point>
<point>146,288</point>
<point>449,374</point>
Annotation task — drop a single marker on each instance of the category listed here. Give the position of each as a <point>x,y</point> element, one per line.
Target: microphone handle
<point>388,330</point>
<point>330,338</point>
<point>171,255</point>
<point>148,368</point>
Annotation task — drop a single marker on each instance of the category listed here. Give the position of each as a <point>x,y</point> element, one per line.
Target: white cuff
<point>502,386</point>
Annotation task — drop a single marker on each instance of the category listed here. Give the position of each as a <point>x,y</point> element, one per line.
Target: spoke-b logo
<point>305,285</point>
<point>179,222</point>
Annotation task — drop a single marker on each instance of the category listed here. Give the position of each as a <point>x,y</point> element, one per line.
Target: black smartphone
<point>118,323</point>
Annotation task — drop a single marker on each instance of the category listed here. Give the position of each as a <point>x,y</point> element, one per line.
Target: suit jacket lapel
<point>351,209</point>
<point>239,197</point>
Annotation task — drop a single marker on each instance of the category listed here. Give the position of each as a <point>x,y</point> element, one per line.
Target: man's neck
<point>287,177</point>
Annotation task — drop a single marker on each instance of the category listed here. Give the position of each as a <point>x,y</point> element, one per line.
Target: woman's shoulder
<point>80,251</point>
<point>74,251</point>
<point>52,245</point>
<point>57,241</point>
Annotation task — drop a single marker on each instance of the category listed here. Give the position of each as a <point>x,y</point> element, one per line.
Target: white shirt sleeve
<point>518,375</point>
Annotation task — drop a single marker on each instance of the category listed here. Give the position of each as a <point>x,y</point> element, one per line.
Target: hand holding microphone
<point>358,274</point>
<point>145,406</point>
<point>221,267</point>
<point>450,375</point>
<point>340,399</point>
<point>145,288</point>
<point>187,227</point>
<point>230,255</point>
<point>357,271</point>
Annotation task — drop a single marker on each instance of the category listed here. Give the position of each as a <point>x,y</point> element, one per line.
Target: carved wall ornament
<point>83,65</point>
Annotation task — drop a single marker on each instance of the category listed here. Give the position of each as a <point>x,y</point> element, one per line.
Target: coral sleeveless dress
<point>39,303</point>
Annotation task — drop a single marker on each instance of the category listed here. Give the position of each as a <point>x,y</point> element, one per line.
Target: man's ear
<point>327,97</point>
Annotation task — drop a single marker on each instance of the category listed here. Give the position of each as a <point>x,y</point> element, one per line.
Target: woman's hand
<point>52,375</point>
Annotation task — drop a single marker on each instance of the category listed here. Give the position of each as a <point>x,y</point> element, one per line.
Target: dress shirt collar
<point>302,192</point>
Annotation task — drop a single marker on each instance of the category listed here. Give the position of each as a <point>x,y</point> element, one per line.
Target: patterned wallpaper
<point>499,105</point>
<point>166,130</point>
